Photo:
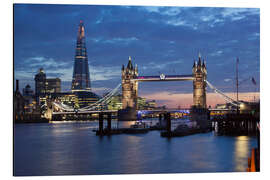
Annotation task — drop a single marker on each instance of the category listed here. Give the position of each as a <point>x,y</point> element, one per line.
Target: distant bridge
<point>115,111</point>
<point>164,110</point>
<point>214,109</point>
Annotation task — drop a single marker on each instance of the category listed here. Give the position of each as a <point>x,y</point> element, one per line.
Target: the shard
<point>81,77</point>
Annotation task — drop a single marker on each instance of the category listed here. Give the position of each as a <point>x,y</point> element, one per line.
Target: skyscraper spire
<point>81,78</point>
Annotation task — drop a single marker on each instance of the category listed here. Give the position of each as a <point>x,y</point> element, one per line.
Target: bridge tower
<point>199,73</point>
<point>129,87</point>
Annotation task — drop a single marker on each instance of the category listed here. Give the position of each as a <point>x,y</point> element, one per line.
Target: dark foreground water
<point>73,149</point>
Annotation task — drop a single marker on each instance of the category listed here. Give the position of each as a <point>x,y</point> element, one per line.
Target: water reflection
<point>73,148</point>
<point>241,151</point>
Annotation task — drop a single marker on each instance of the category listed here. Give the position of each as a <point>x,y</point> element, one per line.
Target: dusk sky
<point>158,39</point>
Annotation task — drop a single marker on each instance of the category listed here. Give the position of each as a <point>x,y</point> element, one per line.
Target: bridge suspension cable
<point>63,106</point>
<point>103,100</point>
<point>106,99</point>
<point>227,98</point>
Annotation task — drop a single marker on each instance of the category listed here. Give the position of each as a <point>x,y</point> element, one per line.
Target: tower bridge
<point>129,88</point>
<point>131,79</point>
<point>129,85</point>
<point>164,77</point>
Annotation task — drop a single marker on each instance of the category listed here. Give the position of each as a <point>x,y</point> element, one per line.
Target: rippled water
<point>73,149</point>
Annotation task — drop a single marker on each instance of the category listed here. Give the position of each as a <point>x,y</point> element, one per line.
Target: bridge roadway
<point>86,112</point>
<point>140,111</point>
<point>165,110</point>
<point>115,111</point>
<point>213,109</point>
<point>164,77</point>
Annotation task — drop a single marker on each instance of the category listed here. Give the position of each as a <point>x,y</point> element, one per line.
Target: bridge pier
<point>109,122</point>
<point>202,117</point>
<point>100,120</point>
<point>167,117</point>
<point>128,114</point>
<point>160,119</point>
<point>108,130</point>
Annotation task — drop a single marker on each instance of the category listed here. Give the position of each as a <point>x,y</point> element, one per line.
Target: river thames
<point>72,148</point>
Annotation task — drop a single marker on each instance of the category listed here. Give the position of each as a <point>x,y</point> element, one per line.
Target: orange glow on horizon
<point>186,100</point>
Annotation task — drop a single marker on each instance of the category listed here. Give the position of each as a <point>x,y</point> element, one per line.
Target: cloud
<point>171,11</point>
<point>254,36</point>
<point>24,75</point>
<point>167,11</point>
<point>118,40</point>
<point>160,66</point>
<point>48,63</point>
<point>100,73</point>
<point>239,13</point>
<point>51,68</point>
<point>227,80</point>
<point>207,18</point>
<point>159,39</point>
<point>170,16</point>
<point>177,22</point>
<point>217,53</point>
<point>150,9</point>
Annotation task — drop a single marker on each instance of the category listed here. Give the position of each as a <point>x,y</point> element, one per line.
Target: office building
<point>81,77</point>
<point>46,85</point>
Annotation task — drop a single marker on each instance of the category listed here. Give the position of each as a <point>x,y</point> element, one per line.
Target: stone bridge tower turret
<point>129,87</point>
<point>199,73</point>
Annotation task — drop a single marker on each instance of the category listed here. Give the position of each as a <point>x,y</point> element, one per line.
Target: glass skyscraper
<point>81,77</point>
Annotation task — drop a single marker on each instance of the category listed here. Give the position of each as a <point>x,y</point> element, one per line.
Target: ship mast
<point>237,84</point>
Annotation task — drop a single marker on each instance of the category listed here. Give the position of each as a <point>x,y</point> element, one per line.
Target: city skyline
<point>159,39</point>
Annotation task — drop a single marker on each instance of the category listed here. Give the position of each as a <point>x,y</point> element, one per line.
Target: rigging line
<point>228,99</point>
